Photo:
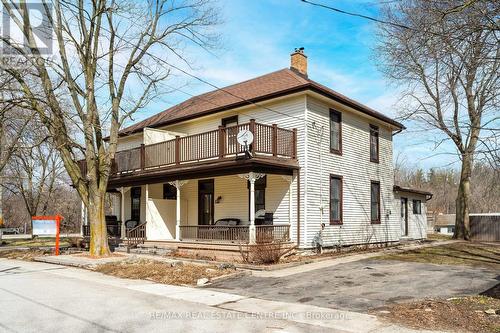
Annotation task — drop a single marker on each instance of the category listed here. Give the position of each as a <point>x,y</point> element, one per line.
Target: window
<point>335,199</point>
<point>375,202</point>
<point>135,202</point>
<point>169,192</point>
<point>232,131</point>
<point>260,193</point>
<point>417,207</point>
<point>374,143</point>
<point>335,132</point>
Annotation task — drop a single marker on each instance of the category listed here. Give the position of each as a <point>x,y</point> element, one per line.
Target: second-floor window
<point>374,143</point>
<point>335,199</point>
<point>335,132</point>
<point>231,125</point>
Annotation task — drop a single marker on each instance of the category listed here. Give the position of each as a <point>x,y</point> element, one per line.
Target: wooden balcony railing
<point>269,140</point>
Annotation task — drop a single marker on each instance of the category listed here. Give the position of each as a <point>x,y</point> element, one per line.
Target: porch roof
<point>221,167</point>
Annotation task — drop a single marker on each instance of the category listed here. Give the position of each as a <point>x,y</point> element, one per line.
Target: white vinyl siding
<point>287,113</point>
<point>357,172</point>
<point>417,223</point>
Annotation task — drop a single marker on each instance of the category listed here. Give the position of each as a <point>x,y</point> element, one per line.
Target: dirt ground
<point>23,254</point>
<point>475,254</point>
<point>162,272</point>
<point>468,314</point>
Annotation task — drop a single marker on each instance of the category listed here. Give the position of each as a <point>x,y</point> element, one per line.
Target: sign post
<point>47,226</point>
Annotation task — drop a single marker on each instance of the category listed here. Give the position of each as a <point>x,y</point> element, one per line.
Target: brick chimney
<point>298,61</point>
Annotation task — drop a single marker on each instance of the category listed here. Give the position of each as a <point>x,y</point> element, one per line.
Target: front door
<point>404,216</point>
<point>206,202</point>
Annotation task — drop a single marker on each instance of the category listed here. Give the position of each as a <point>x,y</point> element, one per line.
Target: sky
<point>258,36</point>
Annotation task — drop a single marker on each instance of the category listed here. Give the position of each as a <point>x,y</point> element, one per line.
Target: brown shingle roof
<point>397,188</point>
<point>279,83</point>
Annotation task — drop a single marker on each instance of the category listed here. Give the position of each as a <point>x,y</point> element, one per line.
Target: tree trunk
<point>97,219</point>
<point>462,226</point>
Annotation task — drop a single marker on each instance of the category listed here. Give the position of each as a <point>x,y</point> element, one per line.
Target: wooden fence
<point>485,227</point>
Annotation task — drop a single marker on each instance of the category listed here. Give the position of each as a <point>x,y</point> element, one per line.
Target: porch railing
<point>113,230</point>
<point>272,233</point>
<point>215,233</point>
<point>235,234</point>
<point>136,236</point>
<point>269,140</point>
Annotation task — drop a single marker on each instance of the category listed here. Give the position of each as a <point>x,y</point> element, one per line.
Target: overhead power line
<point>341,11</point>
<point>190,74</point>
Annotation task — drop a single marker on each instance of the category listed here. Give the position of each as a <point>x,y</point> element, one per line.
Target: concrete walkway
<point>291,317</point>
<point>342,260</point>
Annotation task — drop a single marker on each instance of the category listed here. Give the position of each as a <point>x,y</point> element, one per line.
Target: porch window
<point>135,201</point>
<point>335,199</point>
<point>417,207</point>
<point>375,202</point>
<point>374,146</point>
<point>260,193</point>
<point>335,132</point>
<point>169,192</point>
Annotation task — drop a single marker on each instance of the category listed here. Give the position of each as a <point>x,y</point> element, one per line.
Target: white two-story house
<point>318,161</point>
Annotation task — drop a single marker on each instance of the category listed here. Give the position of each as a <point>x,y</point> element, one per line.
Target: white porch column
<point>146,199</point>
<point>252,177</point>
<point>178,184</point>
<point>251,231</point>
<point>123,231</point>
<point>289,179</point>
<point>84,217</point>
<point>178,212</point>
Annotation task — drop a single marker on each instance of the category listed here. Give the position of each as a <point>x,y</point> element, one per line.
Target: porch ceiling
<point>204,170</point>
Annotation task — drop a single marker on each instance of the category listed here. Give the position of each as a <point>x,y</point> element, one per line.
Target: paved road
<point>36,297</point>
<point>365,284</point>
<point>41,297</point>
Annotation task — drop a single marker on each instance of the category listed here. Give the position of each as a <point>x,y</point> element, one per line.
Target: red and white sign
<point>47,226</point>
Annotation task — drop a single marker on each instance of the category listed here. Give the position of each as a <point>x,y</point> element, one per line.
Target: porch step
<point>142,249</point>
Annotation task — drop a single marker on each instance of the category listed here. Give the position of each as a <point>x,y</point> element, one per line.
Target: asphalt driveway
<point>366,284</point>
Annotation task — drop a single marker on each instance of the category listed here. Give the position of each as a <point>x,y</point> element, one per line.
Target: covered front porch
<point>231,208</point>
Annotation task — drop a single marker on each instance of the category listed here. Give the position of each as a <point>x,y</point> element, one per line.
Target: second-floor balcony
<point>270,142</point>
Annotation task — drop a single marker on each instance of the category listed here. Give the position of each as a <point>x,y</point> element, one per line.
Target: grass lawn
<point>162,272</point>
<point>437,236</point>
<point>37,242</point>
<point>455,314</point>
<point>460,253</point>
<point>27,255</point>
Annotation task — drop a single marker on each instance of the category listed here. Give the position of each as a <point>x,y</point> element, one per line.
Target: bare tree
<point>33,172</point>
<point>110,61</point>
<point>448,66</point>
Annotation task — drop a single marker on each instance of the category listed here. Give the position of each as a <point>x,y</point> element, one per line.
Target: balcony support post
<point>177,150</point>
<point>294,144</point>
<point>251,128</point>
<point>143,157</point>
<point>275,140</point>
<point>222,141</point>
